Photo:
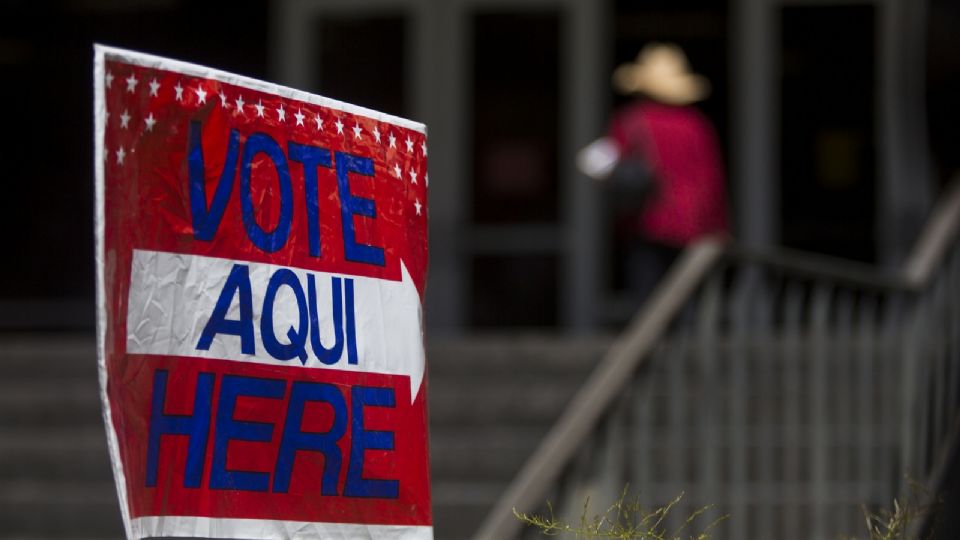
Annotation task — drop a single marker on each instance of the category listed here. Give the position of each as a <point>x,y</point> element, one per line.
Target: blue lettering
<point>206,218</point>
<point>231,387</point>
<point>311,157</point>
<point>238,285</point>
<point>274,240</point>
<point>297,338</point>
<point>294,439</point>
<point>357,485</point>
<point>332,355</point>
<point>351,206</point>
<point>238,282</point>
<point>195,426</point>
<point>207,221</point>
<point>351,324</point>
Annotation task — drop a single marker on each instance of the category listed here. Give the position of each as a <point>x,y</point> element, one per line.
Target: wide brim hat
<point>661,72</point>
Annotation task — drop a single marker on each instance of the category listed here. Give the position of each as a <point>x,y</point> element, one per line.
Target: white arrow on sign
<point>173,295</point>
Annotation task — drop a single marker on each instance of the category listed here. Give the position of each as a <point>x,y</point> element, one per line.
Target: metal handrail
<point>825,267</point>
<point>605,383</point>
<point>935,238</point>
<point>634,345</point>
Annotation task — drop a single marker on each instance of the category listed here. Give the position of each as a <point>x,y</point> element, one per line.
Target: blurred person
<point>661,156</point>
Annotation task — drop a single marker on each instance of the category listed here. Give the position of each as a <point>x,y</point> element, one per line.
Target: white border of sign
<point>149,526</point>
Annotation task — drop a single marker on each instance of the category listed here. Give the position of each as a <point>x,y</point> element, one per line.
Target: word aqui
<point>238,285</point>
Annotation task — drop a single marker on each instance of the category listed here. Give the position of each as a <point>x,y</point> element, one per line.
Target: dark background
<point>46,61</point>
<point>828,181</point>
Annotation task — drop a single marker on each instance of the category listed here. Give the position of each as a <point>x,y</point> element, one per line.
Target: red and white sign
<point>261,260</point>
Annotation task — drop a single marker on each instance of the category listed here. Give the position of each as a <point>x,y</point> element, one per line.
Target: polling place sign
<point>261,258</point>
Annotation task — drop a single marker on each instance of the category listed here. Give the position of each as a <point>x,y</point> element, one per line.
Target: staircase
<point>492,399</point>
<point>55,477</point>
<point>784,388</point>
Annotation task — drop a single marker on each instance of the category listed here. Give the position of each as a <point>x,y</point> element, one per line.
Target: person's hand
<point>598,159</point>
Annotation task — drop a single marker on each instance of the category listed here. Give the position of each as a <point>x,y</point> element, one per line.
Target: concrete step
<point>507,402</point>
<point>520,355</point>
<point>459,507</point>
<point>38,509</point>
<point>492,398</point>
<point>76,453</point>
<point>28,356</point>
<point>49,404</point>
<point>481,454</point>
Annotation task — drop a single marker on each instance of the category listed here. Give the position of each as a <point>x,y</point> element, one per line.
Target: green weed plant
<point>625,519</point>
<point>897,524</point>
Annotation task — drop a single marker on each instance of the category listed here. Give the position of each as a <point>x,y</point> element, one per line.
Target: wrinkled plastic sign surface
<point>261,263</point>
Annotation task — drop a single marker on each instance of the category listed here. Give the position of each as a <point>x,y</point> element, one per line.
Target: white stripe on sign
<point>206,307</point>
<point>156,526</point>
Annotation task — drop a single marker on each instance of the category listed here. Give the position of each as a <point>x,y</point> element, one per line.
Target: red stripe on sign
<point>267,168</point>
<point>177,385</point>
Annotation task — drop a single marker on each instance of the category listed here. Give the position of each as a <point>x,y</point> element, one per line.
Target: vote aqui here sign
<point>261,259</point>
